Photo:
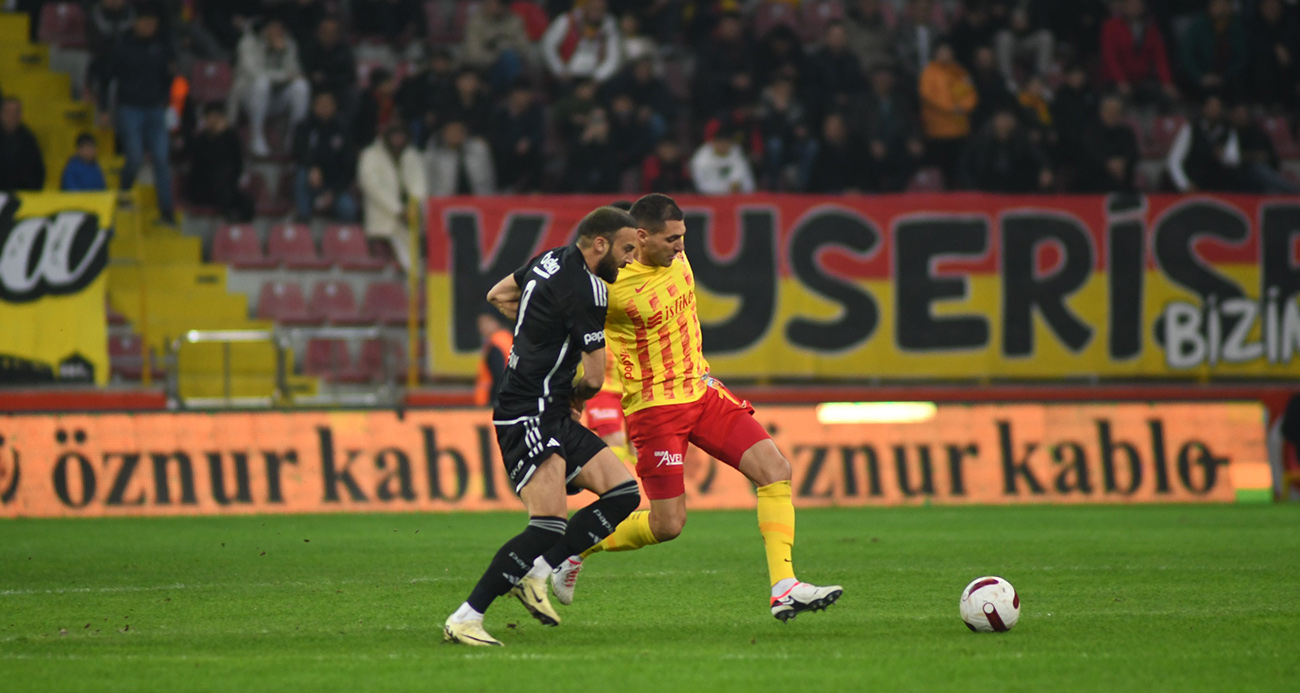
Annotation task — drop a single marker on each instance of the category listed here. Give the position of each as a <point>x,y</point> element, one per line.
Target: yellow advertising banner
<point>162,463</point>
<point>53,251</point>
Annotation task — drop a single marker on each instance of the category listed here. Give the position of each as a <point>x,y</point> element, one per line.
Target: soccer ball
<point>989,605</point>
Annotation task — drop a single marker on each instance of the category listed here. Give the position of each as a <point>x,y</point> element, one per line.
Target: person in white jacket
<point>458,163</point>
<point>390,174</point>
<point>268,81</point>
<point>719,166</point>
<point>583,43</point>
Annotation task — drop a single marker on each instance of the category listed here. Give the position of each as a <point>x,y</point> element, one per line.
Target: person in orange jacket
<point>947,99</point>
<point>497,342</point>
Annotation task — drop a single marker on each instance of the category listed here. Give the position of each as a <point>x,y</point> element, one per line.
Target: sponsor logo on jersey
<point>591,337</point>
<point>668,459</point>
<point>548,265</point>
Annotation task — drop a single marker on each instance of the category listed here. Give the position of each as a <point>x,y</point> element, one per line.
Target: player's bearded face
<point>621,251</point>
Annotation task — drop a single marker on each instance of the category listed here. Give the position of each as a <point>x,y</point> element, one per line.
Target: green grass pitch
<point>1113,598</point>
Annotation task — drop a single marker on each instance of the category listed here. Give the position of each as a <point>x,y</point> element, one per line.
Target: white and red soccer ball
<point>990,605</point>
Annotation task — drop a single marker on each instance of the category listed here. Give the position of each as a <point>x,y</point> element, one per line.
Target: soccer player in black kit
<point>558,301</point>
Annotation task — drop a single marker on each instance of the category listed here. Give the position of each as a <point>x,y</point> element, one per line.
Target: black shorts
<point>526,442</point>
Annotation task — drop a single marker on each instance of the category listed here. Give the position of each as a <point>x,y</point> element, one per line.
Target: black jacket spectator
<point>423,94</point>
<point>470,102</point>
<point>300,17</point>
<point>517,134</point>
<point>1002,159</point>
<point>976,28</point>
<point>665,171</point>
<point>1206,153</point>
<point>1074,109</point>
<point>326,145</point>
<point>216,164</point>
<point>227,20</point>
<point>592,166</point>
<point>1110,156</point>
<point>991,88</point>
<point>647,90</point>
<point>836,74</point>
<point>1275,50</point>
<point>840,163</point>
<point>107,21</point>
<point>21,164</point>
<point>725,75</point>
<point>631,129</point>
<point>328,61</point>
<point>892,136</point>
<point>141,69</point>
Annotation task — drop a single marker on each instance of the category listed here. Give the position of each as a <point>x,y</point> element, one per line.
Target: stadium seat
<point>331,359</point>
<point>284,303</point>
<point>210,80</point>
<point>385,303</point>
<point>1284,143</point>
<point>818,15</point>
<point>1163,132</point>
<point>63,24</point>
<point>291,245</point>
<point>371,361</point>
<point>125,361</point>
<point>770,14</point>
<point>928,179</point>
<point>346,248</point>
<point>237,245</point>
<point>333,301</point>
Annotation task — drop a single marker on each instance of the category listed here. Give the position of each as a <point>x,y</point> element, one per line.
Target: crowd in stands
<point>713,96</point>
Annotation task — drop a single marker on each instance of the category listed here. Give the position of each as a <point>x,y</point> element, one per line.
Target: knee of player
<point>667,528</point>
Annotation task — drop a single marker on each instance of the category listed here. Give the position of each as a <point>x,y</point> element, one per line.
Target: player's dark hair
<point>625,205</point>
<point>603,222</point>
<point>653,212</point>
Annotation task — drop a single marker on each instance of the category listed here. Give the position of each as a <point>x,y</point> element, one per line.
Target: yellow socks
<point>776,523</point>
<point>634,533</point>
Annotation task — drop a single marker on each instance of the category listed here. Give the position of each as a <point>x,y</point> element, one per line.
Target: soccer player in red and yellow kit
<point>670,400</point>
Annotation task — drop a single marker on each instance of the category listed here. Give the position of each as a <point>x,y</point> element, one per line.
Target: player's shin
<point>596,522</point>
<point>776,523</point>
<point>515,559</point>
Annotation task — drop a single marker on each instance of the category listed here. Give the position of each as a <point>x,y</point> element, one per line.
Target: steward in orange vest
<point>497,340</point>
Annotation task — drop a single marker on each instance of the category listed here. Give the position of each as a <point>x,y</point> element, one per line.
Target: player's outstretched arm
<point>593,375</point>
<point>505,296</point>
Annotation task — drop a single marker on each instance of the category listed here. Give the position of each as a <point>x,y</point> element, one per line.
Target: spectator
<point>893,141</point>
<point>21,164</point>
<point>327,59</point>
<point>422,94</point>
<point>269,82</point>
<point>787,141</point>
<point>635,44</point>
<point>1259,165</point>
<point>838,167</point>
<point>470,103</point>
<point>393,20</point>
<point>990,88</point>
<point>915,39</point>
<point>583,43</point>
<point>1035,102</point>
<point>378,107</point>
<point>780,52</point>
<point>647,90</point>
<point>1133,57</point>
<point>106,23</point>
<point>496,43</point>
<point>592,165</point>
<point>977,27</point>
<point>724,72</point>
<point>391,176</point>
<point>1076,25</point>
<point>719,166</point>
<point>572,112</point>
<point>838,72</point>
<point>323,151</point>
<point>1074,106</point>
<point>1002,159</point>
<point>228,20</point>
<point>518,132</point>
<point>498,339</point>
<point>1206,152</point>
<point>302,18</point>
<point>947,99</point>
<point>1214,52</point>
<point>140,73</point>
<point>635,129</point>
<point>458,162</point>
<point>664,171</point>
<point>1275,41</point>
<point>82,172</point>
<point>1109,152</point>
<point>1024,36</point>
<point>869,34</point>
<point>216,165</point>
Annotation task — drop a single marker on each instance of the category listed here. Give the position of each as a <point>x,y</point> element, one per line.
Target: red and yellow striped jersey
<point>654,332</point>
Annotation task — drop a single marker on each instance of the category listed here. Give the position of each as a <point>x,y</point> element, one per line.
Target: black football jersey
<point>561,317</point>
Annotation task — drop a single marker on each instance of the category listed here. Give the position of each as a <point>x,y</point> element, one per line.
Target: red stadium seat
<point>333,300</point>
<point>124,358</point>
<point>1163,132</point>
<point>371,361</point>
<point>331,359</point>
<point>210,80</point>
<point>926,180</point>
<point>237,245</point>
<point>346,248</point>
<point>63,24</point>
<point>1280,132</point>
<point>770,14</point>
<point>291,245</point>
<point>818,15</point>
<point>284,303</point>
<point>386,303</point>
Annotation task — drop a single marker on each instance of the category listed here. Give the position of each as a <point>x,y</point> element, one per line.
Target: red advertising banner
<point>160,463</point>
<point>952,287</point>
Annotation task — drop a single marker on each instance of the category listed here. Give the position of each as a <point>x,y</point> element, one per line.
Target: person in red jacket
<point>1133,55</point>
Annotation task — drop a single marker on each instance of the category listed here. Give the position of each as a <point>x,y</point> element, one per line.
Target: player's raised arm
<point>505,297</point>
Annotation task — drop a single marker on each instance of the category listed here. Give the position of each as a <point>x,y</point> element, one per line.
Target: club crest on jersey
<point>668,459</point>
<point>548,265</point>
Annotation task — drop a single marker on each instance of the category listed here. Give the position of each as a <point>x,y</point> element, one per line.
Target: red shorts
<point>718,423</point>
<point>605,413</point>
